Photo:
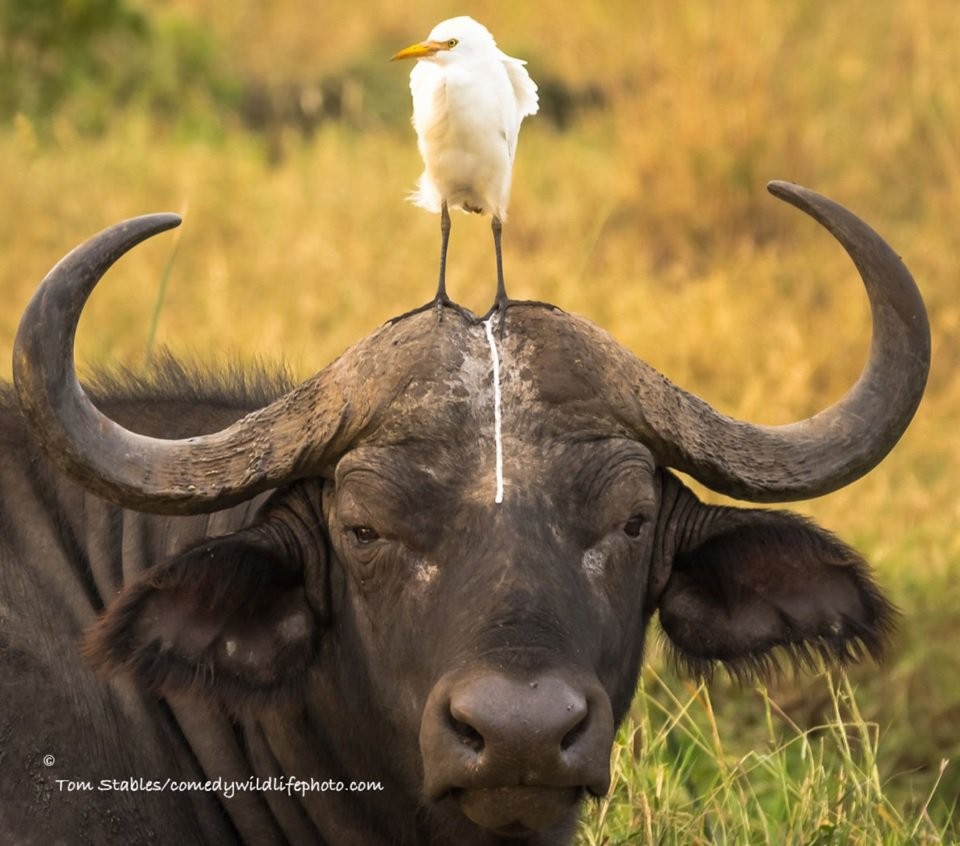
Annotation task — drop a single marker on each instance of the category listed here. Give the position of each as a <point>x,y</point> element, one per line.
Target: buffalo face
<point>508,644</point>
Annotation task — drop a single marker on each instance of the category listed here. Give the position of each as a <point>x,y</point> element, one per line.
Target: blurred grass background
<point>282,132</point>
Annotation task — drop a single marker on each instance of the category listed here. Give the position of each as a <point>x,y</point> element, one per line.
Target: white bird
<point>469,99</point>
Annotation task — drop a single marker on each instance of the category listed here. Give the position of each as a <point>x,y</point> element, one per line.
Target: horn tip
<point>144,226</point>
<point>784,190</point>
<point>805,199</point>
<point>165,220</point>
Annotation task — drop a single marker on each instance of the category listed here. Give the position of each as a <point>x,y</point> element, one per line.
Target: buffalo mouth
<point>517,812</point>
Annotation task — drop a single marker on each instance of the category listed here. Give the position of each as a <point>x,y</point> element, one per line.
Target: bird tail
<point>426,196</point>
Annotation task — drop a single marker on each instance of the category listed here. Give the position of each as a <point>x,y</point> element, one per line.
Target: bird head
<point>451,39</point>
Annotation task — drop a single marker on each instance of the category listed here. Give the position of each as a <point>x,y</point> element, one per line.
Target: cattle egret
<point>469,98</point>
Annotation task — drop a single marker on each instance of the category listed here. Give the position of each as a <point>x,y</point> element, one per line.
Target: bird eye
<point>365,535</point>
<point>452,43</point>
<point>633,526</point>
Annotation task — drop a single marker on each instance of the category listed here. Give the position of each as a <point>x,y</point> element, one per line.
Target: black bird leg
<point>502,301</point>
<point>441,298</point>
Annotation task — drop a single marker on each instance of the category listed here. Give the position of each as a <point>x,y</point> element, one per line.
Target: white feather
<point>468,103</point>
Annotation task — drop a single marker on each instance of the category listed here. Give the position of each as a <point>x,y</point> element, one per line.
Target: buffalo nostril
<point>466,733</point>
<point>572,736</point>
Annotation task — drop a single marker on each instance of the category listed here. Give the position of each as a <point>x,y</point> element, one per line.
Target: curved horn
<point>277,443</point>
<point>841,443</point>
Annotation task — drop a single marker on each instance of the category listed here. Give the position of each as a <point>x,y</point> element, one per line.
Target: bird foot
<point>439,303</point>
<point>501,304</point>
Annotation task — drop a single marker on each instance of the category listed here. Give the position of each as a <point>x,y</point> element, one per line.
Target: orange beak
<point>421,50</point>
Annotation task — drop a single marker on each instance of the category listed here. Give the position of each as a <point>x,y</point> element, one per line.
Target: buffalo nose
<point>534,720</point>
<point>494,731</point>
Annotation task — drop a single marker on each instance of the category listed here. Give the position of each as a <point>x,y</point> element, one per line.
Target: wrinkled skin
<point>368,626</point>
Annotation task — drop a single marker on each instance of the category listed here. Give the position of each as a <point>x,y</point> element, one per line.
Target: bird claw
<point>499,308</point>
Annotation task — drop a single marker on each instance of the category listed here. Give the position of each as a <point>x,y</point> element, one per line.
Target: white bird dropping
<point>497,412</point>
<point>469,99</point>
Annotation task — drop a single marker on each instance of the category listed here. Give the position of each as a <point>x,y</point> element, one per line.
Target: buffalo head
<point>452,577</point>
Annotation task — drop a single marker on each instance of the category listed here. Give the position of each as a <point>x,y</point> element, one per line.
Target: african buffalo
<point>415,569</point>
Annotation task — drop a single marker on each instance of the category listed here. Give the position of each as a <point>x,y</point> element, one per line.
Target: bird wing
<point>526,101</point>
<point>524,88</point>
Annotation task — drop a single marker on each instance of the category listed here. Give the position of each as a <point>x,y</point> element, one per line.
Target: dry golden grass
<point>649,217</point>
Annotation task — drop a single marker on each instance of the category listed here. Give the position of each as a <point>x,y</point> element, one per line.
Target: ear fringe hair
<point>781,657</point>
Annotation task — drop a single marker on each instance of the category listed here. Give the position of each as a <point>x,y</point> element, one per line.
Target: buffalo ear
<point>228,618</point>
<point>762,585</point>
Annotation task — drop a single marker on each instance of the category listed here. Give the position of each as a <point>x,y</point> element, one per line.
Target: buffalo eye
<point>365,535</point>
<point>633,526</point>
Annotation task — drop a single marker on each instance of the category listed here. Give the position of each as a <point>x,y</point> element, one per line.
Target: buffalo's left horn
<point>282,441</point>
<point>832,448</point>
